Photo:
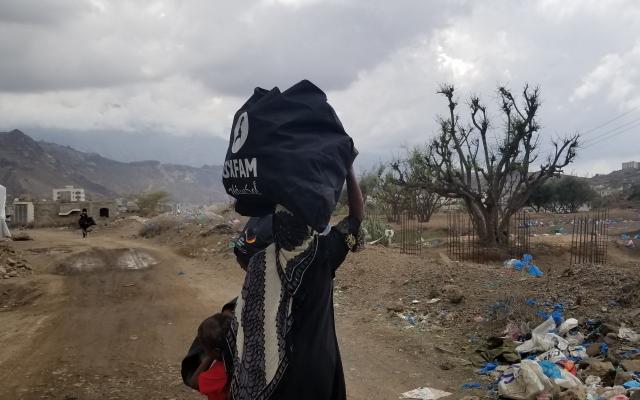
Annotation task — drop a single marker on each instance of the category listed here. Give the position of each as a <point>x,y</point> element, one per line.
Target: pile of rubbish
<point>564,359</point>
<point>12,265</point>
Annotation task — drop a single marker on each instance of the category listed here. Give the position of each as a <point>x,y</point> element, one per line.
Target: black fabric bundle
<point>288,148</point>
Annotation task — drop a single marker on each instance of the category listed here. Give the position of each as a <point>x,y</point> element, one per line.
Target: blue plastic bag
<point>487,368</point>
<point>631,385</point>
<point>471,385</point>
<point>550,369</point>
<point>558,314</point>
<point>604,349</point>
<point>534,271</point>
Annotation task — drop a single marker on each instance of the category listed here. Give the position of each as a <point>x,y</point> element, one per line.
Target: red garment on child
<point>212,383</point>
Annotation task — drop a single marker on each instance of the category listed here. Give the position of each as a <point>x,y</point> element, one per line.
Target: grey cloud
<point>40,12</point>
<point>183,67</point>
<point>231,47</point>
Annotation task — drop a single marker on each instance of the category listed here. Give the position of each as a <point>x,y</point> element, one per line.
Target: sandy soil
<point>111,316</point>
<point>86,325</point>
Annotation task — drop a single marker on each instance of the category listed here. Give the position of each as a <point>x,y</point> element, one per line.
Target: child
<point>210,378</point>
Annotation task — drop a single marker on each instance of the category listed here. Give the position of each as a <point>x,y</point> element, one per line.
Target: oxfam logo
<point>240,132</point>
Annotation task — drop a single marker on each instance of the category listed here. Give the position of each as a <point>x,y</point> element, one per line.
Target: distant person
<point>85,222</point>
<point>210,378</point>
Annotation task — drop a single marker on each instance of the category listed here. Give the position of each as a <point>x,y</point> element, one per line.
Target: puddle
<point>103,260</point>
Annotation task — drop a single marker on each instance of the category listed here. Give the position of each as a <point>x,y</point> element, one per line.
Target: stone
<point>593,349</point>
<point>609,328</point>
<point>453,293</point>
<point>11,262</point>
<point>3,270</point>
<point>631,365</point>
<point>470,398</point>
<point>635,395</point>
<point>446,365</point>
<point>395,307</point>
<point>13,274</point>
<point>579,393</point>
<point>601,369</point>
<point>622,377</point>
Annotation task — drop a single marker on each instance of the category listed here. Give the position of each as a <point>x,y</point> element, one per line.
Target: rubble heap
<point>12,264</point>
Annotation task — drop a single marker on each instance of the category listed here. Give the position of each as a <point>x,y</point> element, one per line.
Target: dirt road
<point>110,317</point>
<point>99,328</point>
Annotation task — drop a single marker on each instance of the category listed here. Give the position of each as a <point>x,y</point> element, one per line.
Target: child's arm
<point>205,363</point>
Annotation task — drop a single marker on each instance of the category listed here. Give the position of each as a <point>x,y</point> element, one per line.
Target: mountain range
<point>35,167</point>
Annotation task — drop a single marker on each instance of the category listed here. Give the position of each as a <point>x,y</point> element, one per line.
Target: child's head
<point>212,332</point>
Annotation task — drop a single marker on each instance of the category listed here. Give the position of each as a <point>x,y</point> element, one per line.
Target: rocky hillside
<point>29,166</point>
<point>616,180</point>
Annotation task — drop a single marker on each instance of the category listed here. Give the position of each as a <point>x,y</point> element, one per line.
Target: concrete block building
<point>631,165</point>
<point>69,194</point>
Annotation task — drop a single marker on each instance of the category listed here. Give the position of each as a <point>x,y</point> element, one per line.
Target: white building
<point>4,230</point>
<point>631,165</point>
<point>68,194</point>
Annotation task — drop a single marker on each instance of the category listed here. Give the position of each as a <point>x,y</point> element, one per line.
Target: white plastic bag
<point>568,380</point>
<point>567,326</point>
<point>524,382</point>
<point>424,393</point>
<point>553,355</point>
<point>542,339</point>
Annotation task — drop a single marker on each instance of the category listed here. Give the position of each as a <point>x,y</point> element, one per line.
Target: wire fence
<point>410,233</point>
<point>462,237</point>
<point>589,237</point>
<point>463,242</point>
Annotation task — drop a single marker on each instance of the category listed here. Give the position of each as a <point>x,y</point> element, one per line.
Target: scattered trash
<point>567,325</point>
<point>524,264</point>
<point>181,273</point>
<point>619,397</point>
<point>524,381</point>
<point>409,318</point>
<point>487,368</point>
<point>550,369</point>
<point>434,300</point>
<point>424,393</point>
<point>542,339</point>
<point>512,331</point>
<point>604,349</point>
<point>558,314</point>
<point>415,302</point>
<point>631,385</point>
<point>628,334</point>
<point>498,349</point>
<point>471,385</point>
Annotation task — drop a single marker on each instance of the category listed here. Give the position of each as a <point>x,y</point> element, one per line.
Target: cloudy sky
<point>181,68</point>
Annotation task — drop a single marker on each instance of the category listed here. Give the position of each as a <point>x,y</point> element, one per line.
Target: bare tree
<point>421,199</point>
<point>390,196</point>
<point>493,180</point>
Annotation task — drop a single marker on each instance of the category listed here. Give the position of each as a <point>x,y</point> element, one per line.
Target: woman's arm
<point>356,204</point>
<point>204,365</point>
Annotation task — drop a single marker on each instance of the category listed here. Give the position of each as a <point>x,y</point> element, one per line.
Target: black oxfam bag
<point>290,149</point>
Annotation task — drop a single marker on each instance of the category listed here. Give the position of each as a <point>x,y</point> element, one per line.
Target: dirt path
<point>94,327</point>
